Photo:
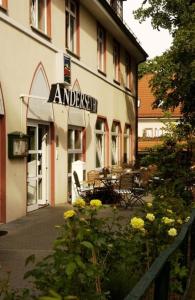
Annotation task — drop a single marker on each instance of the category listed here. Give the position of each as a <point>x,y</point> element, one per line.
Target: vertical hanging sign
<point>67,70</point>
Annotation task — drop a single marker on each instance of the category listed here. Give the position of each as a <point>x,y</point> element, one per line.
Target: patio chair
<point>84,189</point>
<point>93,178</point>
<point>129,194</point>
<point>116,170</point>
<point>87,190</point>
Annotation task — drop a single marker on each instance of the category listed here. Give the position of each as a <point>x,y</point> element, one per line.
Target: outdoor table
<point>109,182</point>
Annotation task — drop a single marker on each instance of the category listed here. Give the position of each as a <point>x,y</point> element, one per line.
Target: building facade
<point>81,56</point>
<point>150,121</point>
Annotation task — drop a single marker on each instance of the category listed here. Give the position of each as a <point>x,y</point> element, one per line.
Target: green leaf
<point>30,259</point>
<point>87,244</point>
<point>52,296</point>
<point>79,262</point>
<point>71,298</point>
<point>70,268</point>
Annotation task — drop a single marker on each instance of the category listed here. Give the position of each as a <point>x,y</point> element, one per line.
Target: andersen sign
<point>61,95</point>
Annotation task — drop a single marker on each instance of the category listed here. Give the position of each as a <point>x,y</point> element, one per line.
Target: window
<point>128,71</point>
<point>158,132</point>
<point>75,150</point>
<point>100,133</point>
<point>115,143</point>
<point>148,132</point>
<point>127,144</point>
<point>101,48</point>
<point>3,4</point>
<point>41,15</point>
<point>72,26</point>
<point>116,61</point>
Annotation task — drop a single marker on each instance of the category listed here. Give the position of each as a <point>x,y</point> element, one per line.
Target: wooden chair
<point>116,170</point>
<point>129,194</point>
<point>93,178</point>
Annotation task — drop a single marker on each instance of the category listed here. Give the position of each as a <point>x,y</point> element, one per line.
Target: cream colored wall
<point>88,48</point>
<point>58,24</point>
<point>20,12</point>
<point>61,130</point>
<point>21,53</point>
<point>113,104</point>
<point>21,56</point>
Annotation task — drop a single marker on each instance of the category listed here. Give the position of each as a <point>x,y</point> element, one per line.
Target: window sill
<point>102,72</point>
<point>128,89</point>
<point>72,54</point>
<point>41,33</point>
<point>116,81</point>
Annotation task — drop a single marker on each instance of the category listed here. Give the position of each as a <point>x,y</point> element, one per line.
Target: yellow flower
<point>137,223</point>
<point>179,221</point>
<point>149,204</point>
<point>167,220</point>
<point>69,214</point>
<point>79,203</point>
<point>187,219</point>
<point>150,217</point>
<point>95,203</point>
<point>169,211</point>
<point>172,232</point>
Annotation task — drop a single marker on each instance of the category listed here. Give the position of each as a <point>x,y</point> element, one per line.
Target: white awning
<point>39,109</point>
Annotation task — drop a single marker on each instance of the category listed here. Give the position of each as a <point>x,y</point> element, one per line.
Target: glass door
<point>37,166</point>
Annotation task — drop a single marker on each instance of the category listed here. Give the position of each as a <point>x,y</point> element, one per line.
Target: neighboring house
<point>80,54</point>
<point>150,125</point>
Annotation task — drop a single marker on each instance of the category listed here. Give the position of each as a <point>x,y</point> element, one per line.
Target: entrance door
<point>37,166</point>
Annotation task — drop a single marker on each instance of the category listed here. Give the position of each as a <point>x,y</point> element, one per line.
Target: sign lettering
<point>61,95</point>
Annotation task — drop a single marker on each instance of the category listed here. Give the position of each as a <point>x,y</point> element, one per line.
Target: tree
<point>173,83</point>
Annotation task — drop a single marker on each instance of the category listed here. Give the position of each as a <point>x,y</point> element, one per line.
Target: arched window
<point>101,129</point>
<point>38,108</point>
<point>115,143</point>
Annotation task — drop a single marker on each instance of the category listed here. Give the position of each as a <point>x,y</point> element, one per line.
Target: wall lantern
<point>17,145</point>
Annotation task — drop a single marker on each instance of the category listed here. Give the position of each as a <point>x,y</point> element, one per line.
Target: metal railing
<point>155,284</point>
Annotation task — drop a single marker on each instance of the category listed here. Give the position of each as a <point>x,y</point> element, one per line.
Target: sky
<point>154,42</point>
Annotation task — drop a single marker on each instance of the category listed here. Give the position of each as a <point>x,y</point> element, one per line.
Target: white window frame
<point>71,35</point>
<point>158,132</point>
<point>35,15</point>
<point>148,132</point>
<point>73,150</point>
<point>127,142</point>
<point>101,47</point>
<point>100,152</point>
<point>115,144</point>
